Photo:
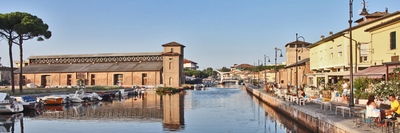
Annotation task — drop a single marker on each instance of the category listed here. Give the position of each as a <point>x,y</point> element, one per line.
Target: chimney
<point>330,33</point>
<point>386,10</point>
<point>322,37</point>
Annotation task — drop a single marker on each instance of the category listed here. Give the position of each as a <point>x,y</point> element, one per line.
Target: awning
<point>372,72</point>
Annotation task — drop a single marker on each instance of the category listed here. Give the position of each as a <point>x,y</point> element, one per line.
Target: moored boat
<point>51,100</point>
<point>27,102</point>
<point>8,105</point>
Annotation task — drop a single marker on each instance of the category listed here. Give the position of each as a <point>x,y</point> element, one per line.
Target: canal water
<point>218,109</point>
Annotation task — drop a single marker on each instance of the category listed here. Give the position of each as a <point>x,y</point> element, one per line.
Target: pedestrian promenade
<point>327,119</point>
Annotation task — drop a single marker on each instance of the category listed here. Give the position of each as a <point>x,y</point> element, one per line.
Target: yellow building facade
<point>330,57</point>
<point>384,40</point>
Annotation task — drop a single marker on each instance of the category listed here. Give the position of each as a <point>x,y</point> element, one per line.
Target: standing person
<point>345,89</point>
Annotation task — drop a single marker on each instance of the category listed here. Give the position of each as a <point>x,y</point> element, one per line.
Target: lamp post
<point>297,69</point>
<point>276,50</point>
<point>351,103</point>
<point>265,64</point>
<point>260,68</point>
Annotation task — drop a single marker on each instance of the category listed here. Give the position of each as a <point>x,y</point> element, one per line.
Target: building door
<point>23,80</point>
<point>46,80</point>
<point>118,79</point>
<point>92,79</point>
<point>144,79</point>
<point>69,79</point>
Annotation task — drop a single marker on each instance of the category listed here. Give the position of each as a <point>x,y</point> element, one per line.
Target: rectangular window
<point>331,53</point>
<point>364,52</point>
<point>321,55</point>
<point>339,51</point>
<point>393,40</point>
<point>292,45</point>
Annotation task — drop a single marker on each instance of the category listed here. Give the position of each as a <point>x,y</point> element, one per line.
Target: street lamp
<point>351,102</point>
<point>297,58</point>
<point>276,50</point>
<point>265,64</point>
<point>260,68</point>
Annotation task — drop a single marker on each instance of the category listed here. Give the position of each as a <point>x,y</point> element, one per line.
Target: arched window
<point>170,65</point>
<point>172,50</point>
<point>170,80</point>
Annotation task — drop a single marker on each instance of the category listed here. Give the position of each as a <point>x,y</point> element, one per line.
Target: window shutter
<point>393,40</point>
<point>364,49</point>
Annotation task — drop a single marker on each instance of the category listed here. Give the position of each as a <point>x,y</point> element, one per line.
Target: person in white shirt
<point>345,89</point>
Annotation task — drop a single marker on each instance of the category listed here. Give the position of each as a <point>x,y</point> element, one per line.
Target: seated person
<point>302,94</point>
<point>370,105</point>
<point>394,106</point>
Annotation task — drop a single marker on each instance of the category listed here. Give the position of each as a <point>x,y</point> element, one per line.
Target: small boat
<point>9,105</point>
<point>71,99</point>
<point>122,93</point>
<point>28,102</point>
<point>51,100</point>
<point>87,96</point>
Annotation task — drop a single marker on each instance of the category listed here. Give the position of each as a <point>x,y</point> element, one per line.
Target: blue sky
<point>216,33</point>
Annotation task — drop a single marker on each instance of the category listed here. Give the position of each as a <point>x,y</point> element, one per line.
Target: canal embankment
<point>313,117</point>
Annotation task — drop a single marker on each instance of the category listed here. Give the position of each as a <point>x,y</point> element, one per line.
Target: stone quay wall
<point>309,119</point>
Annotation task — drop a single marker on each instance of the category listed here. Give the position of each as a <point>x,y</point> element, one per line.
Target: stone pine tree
<point>17,27</point>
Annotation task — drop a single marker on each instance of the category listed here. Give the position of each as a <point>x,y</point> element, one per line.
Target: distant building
<point>124,69</point>
<point>24,63</point>
<point>189,64</point>
<point>302,53</point>
<point>5,75</point>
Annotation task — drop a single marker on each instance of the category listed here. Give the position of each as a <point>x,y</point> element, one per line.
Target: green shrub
<point>360,84</point>
<point>364,95</point>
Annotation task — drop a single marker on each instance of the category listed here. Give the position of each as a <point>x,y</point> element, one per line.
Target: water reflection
<point>280,120</point>
<point>7,121</point>
<point>209,110</point>
<point>149,107</point>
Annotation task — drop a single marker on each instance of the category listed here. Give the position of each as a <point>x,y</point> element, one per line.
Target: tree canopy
<point>20,24</point>
<point>224,69</point>
<point>17,27</point>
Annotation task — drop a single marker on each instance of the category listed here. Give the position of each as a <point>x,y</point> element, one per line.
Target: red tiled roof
<point>188,61</point>
<point>173,44</point>
<point>373,15</point>
<point>298,42</point>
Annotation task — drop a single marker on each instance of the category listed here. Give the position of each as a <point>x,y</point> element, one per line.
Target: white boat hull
<point>7,108</point>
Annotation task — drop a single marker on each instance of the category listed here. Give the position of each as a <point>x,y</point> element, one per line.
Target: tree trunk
<point>20,64</point>
<point>11,64</point>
